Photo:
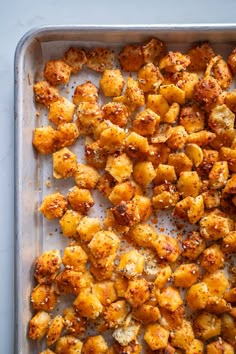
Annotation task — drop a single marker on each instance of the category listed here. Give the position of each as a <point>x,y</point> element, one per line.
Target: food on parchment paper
<point>164,138</point>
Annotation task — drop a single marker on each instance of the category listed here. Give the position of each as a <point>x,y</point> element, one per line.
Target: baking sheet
<point>34,234</point>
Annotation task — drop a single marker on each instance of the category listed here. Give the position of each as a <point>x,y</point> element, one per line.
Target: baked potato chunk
<point>116,112</point>
<point>57,72</point>
<point>66,134</point>
<point>74,324</point>
<point>131,264</point>
<point>75,58</point>
<point>95,345</point>
<point>186,275</point>
<point>61,111</point>
<point>86,92</point>
<point>112,82</point>
<point>131,58</point>
<point>64,163</point>
<point>72,282</point>
<point>174,61</point>
<point>120,167</point>
<point>53,206</point>
<point>136,146</point>
<point>38,325</point>
<point>138,292</point>
<point>150,78</point>
<point>146,122</point>
<point>75,258</point>
<point>80,199</point>
<point>103,244</point>
<point>86,176</point>
<point>156,336</point>
<point>153,51</point>
<point>69,223</point>
<point>200,55</point>
<point>55,329</point>
<point>45,93</point>
<point>43,297</point>
<point>167,248</point>
<point>133,94</point>
<point>212,258</point>
<point>207,92</point>
<point>87,228</point>
<point>44,139</point>
<point>68,344</point>
<point>100,59</point>
<point>47,266</point>
<point>87,305</point>
<point>144,173</point>
<point>206,326</point>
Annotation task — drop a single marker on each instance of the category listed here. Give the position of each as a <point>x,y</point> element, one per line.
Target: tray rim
<point>38,33</point>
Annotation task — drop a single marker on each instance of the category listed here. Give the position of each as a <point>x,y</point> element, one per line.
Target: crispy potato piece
<point>217,305</point>
<point>197,296</point>
<point>38,325</point>
<point>193,246</point>
<point>220,71</point>
<point>86,92</point>
<point>138,292</point>
<point>186,81</point>
<point>89,115</point>
<point>133,93</point>
<point>45,93</point>
<point>116,112</point>
<point>64,163</point>
<point>87,305</point>
<point>207,92</point>
<point>126,334</point>
<point>178,138</point>
<point>68,344</point>
<point>75,58</point>
<point>110,223</point>
<point>122,191</point>
<point>112,82</point>
<point>229,243</point>
<point>103,244</point>
<point>221,118</point>
<point>214,227</point>
<point>150,78</point>
<point>120,167</point>
<point>206,326</point>
<point>219,346</point>
<point>230,100</point>
<point>131,58</point>
<point>100,59</point>
<point>162,134</point>
<point>136,146</point>
<point>61,111</point>
<point>232,61</point>
<point>86,176</point>
<point>186,275</point>
<point>209,158</point>
<point>163,276</point>
<point>95,155</point>
<point>106,184</point>
<point>167,248</point>
<point>229,155</point>
<point>212,258</point>
<point>146,314</point>
<point>131,264</point>
<point>43,297</point>
<point>153,51</point>
<point>95,345</point>
<point>183,336</point>
<point>192,118</point>
<point>72,282</point>
<point>170,298</point>
<point>174,61</point>
<point>69,223</point>
<point>75,258</point>
<point>57,72</point>
<point>105,292</point>
<point>112,139</point>
<point>146,122</point>
<point>200,55</point>
<point>47,266</point>
<point>144,173</point>
<point>189,184</point>
<point>158,104</point>
<point>228,329</point>
<point>180,162</point>
<point>80,199</point>
<point>53,206</point>
<point>164,174</point>
<point>143,235</point>
<point>66,134</point>
<point>158,154</point>
<point>172,114</point>
<point>44,139</point>
<point>211,198</point>
<point>156,336</point>
<point>202,138</point>
<point>216,282</point>
<point>55,330</point>
<point>172,93</point>
<point>218,175</point>
<point>73,323</point>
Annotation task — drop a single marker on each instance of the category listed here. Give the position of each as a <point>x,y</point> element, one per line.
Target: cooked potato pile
<point>164,138</point>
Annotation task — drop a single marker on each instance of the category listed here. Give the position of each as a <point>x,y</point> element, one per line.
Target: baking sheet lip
<point>37,33</point>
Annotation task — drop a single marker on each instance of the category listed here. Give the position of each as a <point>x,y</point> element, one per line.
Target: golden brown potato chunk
<point>131,264</point>
<point>219,346</point>
<point>146,122</point>
<point>105,291</point>
<point>47,266</point>
<point>200,55</point>
<point>144,173</point>
<point>153,51</point>
<point>80,200</point>
<point>112,82</point>
<point>122,191</point>
<point>232,61</point>
<point>146,314</point>
<point>197,296</point>
<point>221,118</point>
<point>64,163</point>
<point>143,235</point>
<point>86,176</point>
<point>95,345</point>
<point>68,344</point>
<point>149,78</point>
<point>61,111</point>
<point>193,246</point>
<point>178,138</point>
<point>189,184</point>
<point>156,336</point>
<point>186,275</point>
<point>133,93</point>
<point>55,329</point>
<point>138,292</point>
<point>95,155</point>
<point>43,297</point>
<point>192,118</point>
<point>100,59</point>
<point>89,115</point>
<point>75,58</point>
<point>120,167</point>
<point>167,248</point>
<point>220,71</point>
<point>136,146</point>
<point>183,336</point>
<point>86,92</point>
<point>72,282</point>
<point>207,92</point>
<point>57,72</point>
<point>73,323</point>
<point>206,326</point>
<point>212,258</point>
<point>131,58</point>
<point>180,162</point>
<point>229,243</point>
<point>88,305</point>
<point>53,206</point>
<point>116,112</point>
<point>45,93</point>
<point>172,94</point>
<point>69,223</point>
<point>214,227</point>
<point>103,244</point>
<point>75,258</point>
<point>112,139</point>
<point>66,134</point>
<point>174,61</point>
<point>88,227</point>
<point>38,325</point>
<point>217,283</point>
<point>158,104</point>
<point>44,139</point>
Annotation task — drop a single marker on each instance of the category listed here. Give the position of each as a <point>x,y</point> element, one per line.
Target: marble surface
<point>16,18</point>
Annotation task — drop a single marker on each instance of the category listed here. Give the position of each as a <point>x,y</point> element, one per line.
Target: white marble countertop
<point>16,18</point>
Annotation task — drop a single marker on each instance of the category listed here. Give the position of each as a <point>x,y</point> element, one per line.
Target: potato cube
<point>43,297</point>
<point>120,167</point>
<point>196,209</point>
<point>183,336</point>
<point>165,199</point>
<point>131,58</point>
<point>66,134</point>
<point>126,334</point>
<point>214,227</point>
<point>172,114</point>
<point>163,276</point>
<point>105,292</point>
<point>153,51</point>
<point>122,191</point>
<point>75,258</point>
<point>149,78</point>
<point>218,346</point>
<point>189,184</point>
<point>103,268</point>
<point>180,162</point>
<point>212,258</point>
<point>86,176</point>
<point>47,266</point>
<point>158,154</point>
<point>192,118</point>
<point>146,122</point>
<point>75,58</point>
<point>228,329</point>
<point>178,138</point>
<point>103,244</point>
<point>146,314</point>
<point>68,344</point>
<point>172,94</point>
<point>44,139</point>
<point>197,296</point>
<point>61,111</point>
<point>64,163</point>
<point>174,61</point>
<point>217,305</point>
<point>106,184</point>
<point>87,305</point>
<point>95,345</point>
<point>193,246</point>
<point>144,207</point>
<point>218,175</point>
<point>38,325</point>
<point>207,92</point>
<point>156,336</point>
<point>86,92</point>
<point>72,282</point>
<point>112,82</point>
<point>211,198</point>
<point>80,199</point>
<point>219,68</point>
<point>229,243</point>
<point>230,100</point>
<point>69,223</point>
<point>125,214</point>
<point>136,146</point>
<point>112,138</point>
<point>158,104</point>
<point>217,283</point>
<point>143,235</point>
<point>202,138</point>
<point>230,187</point>
<point>200,55</point>
<point>167,248</point>
<point>121,285</point>
<point>170,298</point>
<point>95,155</point>
<point>133,93</point>
<point>57,72</point>
<point>186,81</point>
<point>45,93</point>
<point>116,112</point>
<point>164,173</point>
<point>186,275</point>
<point>73,323</point>
<point>138,292</point>
<point>221,118</point>
<point>100,59</point>
<point>116,313</point>
<point>206,326</point>
<point>131,264</point>
<point>144,173</point>
<point>89,115</point>
<point>55,330</point>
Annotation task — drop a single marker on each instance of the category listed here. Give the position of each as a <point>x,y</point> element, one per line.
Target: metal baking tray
<point>33,233</point>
